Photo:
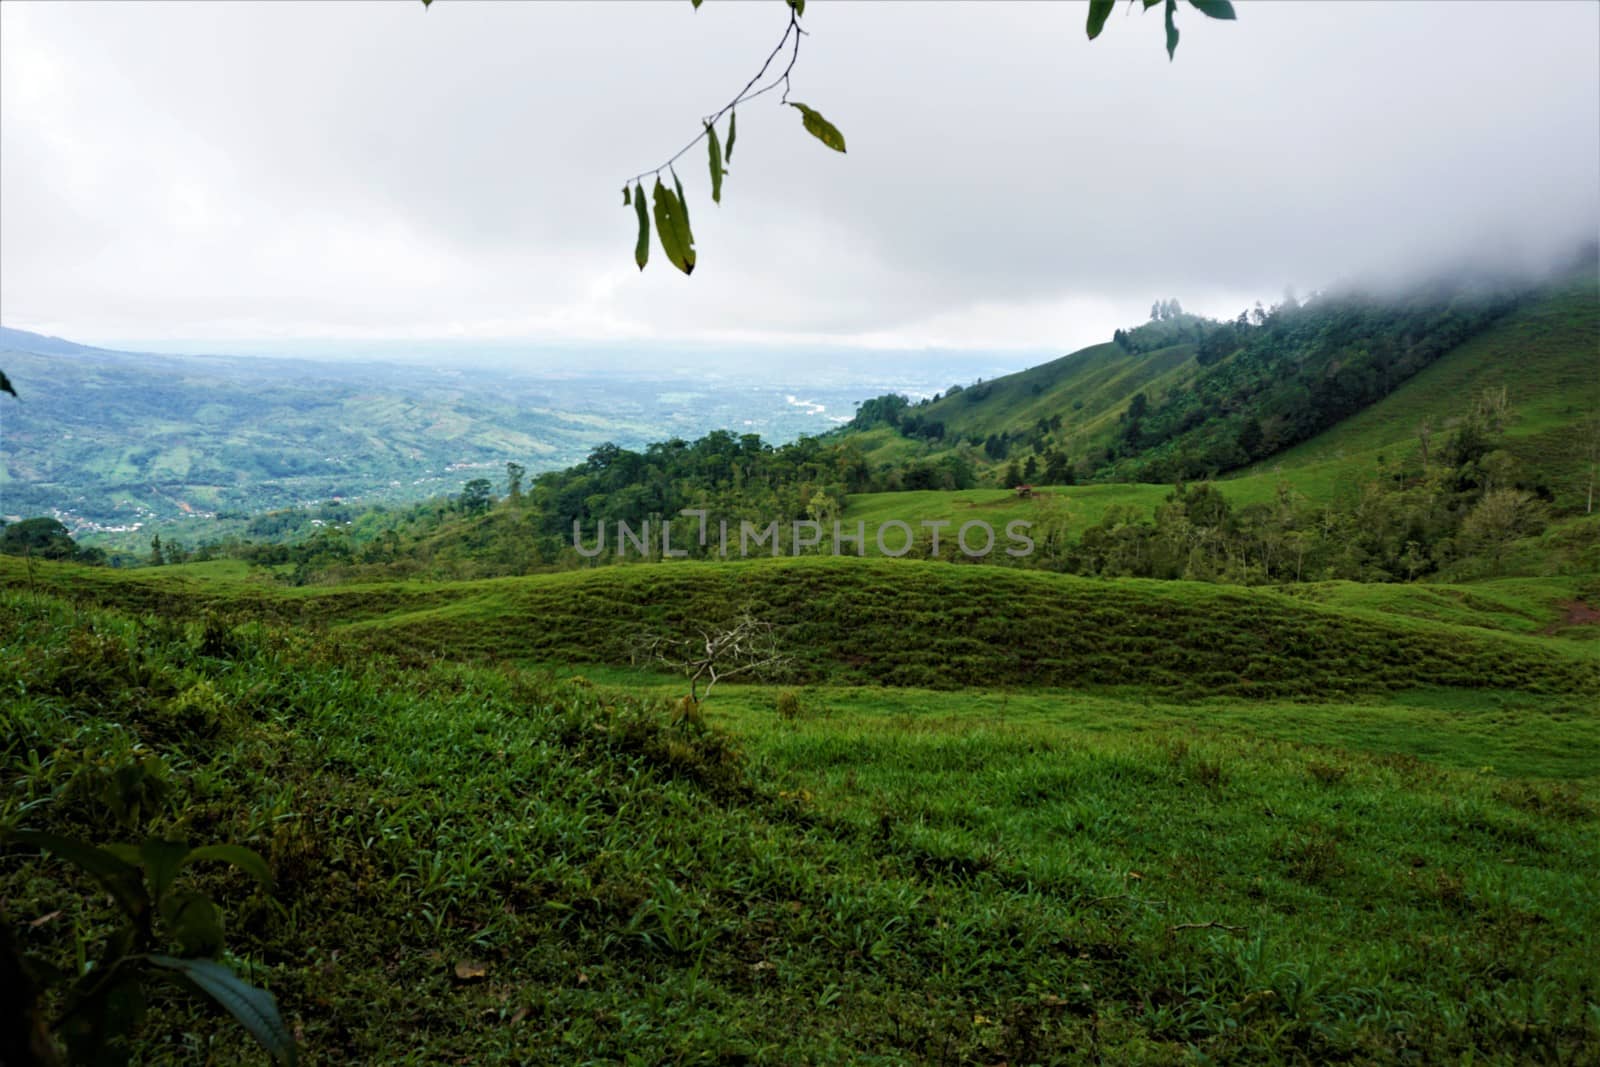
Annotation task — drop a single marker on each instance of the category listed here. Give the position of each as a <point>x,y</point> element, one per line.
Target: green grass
<point>884,877</point>
<point>1509,605</point>
<point>1502,733</point>
<point>1088,389</point>
<point>1085,505</point>
<point>901,623</point>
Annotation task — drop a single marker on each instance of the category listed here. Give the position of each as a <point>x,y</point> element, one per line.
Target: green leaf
<point>5,383</point>
<point>1216,9</point>
<point>255,1008</point>
<point>243,858</point>
<point>683,212</point>
<point>697,3</point>
<point>627,198</point>
<point>1148,4</point>
<point>1172,30</point>
<point>195,923</point>
<point>128,854</point>
<point>120,879</point>
<point>425,3</point>
<point>669,227</point>
<point>161,860</point>
<point>733,131</point>
<point>641,248</point>
<point>820,128</point>
<point>799,6</point>
<point>1099,11</point>
<point>715,148</point>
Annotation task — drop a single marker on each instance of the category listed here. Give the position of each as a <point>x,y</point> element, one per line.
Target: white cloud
<point>365,170</point>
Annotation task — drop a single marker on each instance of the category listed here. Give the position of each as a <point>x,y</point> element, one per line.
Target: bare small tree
<point>1494,409</point>
<point>742,646</point>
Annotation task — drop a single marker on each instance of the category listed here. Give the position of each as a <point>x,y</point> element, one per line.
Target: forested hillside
<point>1183,397</point>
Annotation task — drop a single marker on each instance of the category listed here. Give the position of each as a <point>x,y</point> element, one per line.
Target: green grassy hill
<point>487,865</point>
<point>899,623</point>
<point>1088,389</point>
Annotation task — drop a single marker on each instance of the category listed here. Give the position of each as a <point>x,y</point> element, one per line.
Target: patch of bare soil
<point>1574,613</point>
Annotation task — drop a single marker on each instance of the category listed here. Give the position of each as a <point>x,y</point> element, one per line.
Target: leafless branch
<point>743,646</point>
<point>1149,902</point>
<point>1212,925</point>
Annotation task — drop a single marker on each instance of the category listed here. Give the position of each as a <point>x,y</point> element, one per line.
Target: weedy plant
<point>104,1001</point>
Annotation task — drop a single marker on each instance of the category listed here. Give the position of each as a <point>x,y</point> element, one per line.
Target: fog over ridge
<point>355,171</point>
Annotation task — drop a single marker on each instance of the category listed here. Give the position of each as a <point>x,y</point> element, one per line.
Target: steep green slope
<point>1088,389</point>
<point>1343,375</point>
<point>899,623</point>
<point>1546,356</point>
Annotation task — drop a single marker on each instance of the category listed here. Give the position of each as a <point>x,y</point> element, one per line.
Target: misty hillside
<point>1182,397</point>
<point>1545,356</point>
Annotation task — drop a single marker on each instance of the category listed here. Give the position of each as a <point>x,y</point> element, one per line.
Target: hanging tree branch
<point>670,211</point>
<point>791,32</point>
<point>668,206</point>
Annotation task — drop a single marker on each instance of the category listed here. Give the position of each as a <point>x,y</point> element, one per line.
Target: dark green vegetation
<point>1467,508</point>
<point>486,864</point>
<point>44,539</point>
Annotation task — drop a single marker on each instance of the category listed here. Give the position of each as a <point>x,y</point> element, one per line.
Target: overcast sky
<point>294,170</point>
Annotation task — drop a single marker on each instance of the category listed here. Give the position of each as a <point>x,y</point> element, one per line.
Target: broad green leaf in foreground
<point>256,1009</point>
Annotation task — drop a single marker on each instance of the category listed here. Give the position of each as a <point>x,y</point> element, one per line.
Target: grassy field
<point>1078,507</point>
<point>918,624</point>
<point>481,864</point>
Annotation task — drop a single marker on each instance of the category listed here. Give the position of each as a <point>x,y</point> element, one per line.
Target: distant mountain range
<point>107,440</point>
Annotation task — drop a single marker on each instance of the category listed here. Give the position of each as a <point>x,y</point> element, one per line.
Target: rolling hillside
<point>491,865</point>
<point>1088,388</point>
<point>896,623</point>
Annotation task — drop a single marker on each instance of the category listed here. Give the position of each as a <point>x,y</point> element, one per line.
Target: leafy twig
<point>791,37</point>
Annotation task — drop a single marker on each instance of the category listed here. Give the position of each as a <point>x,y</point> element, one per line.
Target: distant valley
<point>116,443</point>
